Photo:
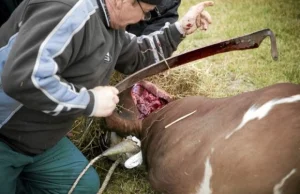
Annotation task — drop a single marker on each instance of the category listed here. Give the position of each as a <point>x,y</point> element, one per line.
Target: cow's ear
<point>123,126</point>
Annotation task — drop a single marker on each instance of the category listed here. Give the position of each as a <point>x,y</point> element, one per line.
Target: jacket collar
<point>103,10</point>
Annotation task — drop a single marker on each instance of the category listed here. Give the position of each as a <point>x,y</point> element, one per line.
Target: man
<point>55,59</point>
<point>167,11</point>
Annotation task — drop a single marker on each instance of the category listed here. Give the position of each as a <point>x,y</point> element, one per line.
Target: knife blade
<point>245,42</point>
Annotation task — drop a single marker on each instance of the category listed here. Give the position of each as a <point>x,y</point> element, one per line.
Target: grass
<point>221,75</point>
<point>252,68</point>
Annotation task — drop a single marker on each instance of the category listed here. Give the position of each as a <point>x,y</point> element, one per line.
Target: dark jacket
<point>51,53</point>
<point>167,12</point>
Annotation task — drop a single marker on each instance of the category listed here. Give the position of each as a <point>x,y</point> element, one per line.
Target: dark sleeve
<point>42,49</point>
<point>168,12</point>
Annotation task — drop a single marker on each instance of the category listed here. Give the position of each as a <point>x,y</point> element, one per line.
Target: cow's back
<point>226,147</point>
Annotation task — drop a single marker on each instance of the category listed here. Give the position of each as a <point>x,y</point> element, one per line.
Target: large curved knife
<point>249,41</point>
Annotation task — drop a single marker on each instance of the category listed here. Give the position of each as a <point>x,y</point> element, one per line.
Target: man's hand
<point>106,99</point>
<point>195,18</point>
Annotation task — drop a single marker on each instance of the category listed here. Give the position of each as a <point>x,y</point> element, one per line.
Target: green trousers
<point>53,172</point>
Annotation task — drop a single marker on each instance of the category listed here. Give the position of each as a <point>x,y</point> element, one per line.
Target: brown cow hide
<point>244,144</point>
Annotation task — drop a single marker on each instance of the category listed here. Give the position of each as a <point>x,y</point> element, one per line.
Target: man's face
<point>129,12</point>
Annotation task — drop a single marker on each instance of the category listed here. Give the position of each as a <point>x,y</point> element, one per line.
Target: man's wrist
<point>179,28</point>
<point>90,109</point>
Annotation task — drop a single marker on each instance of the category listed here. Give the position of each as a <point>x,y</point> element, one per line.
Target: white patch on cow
<point>278,187</point>
<point>187,174</point>
<point>256,112</point>
<point>205,185</point>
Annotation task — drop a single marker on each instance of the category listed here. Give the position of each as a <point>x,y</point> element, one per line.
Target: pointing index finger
<point>200,7</point>
<point>207,3</point>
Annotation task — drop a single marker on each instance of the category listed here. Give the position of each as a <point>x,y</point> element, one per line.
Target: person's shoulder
<point>168,5</point>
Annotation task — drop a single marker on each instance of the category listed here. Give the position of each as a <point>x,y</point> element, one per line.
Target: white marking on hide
<point>278,187</point>
<point>187,174</point>
<point>183,117</point>
<point>260,112</point>
<point>205,185</point>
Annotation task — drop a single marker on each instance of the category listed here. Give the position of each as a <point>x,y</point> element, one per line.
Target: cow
<point>244,144</point>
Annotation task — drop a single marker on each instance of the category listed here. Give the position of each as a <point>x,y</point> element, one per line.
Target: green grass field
<point>235,72</point>
<point>230,73</point>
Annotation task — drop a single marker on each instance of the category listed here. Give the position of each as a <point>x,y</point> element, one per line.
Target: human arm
<point>139,52</point>
<point>49,42</point>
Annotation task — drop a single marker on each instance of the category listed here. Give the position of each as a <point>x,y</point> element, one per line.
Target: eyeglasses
<point>147,15</point>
